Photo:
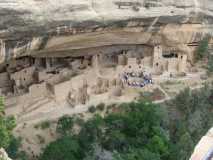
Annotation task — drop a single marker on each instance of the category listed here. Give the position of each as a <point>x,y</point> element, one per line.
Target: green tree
<point>6,126</point>
<point>115,140</point>
<point>137,154</point>
<point>91,131</point>
<point>12,149</point>
<point>202,50</point>
<point>185,146</point>
<point>210,64</point>
<point>183,102</point>
<point>1,105</point>
<point>65,148</point>
<point>195,120</point>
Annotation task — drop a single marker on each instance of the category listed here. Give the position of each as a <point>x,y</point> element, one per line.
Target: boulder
<point>3,155</point>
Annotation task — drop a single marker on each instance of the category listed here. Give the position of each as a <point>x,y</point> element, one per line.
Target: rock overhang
<point>98,23</point>
<point>39,17</point>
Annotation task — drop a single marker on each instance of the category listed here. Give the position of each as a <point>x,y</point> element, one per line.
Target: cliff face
<point>3,155</point>
<point>28,25</point>
<point>204,149</point>
<point>18,17</point>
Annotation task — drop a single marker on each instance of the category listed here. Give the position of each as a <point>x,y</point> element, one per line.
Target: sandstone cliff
<point>53,26</point>
<point>3,155</point>
<point>38,17</point>
<point>204,149</point>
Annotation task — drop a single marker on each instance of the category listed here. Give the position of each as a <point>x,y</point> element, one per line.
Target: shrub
<point>36,126</point>
<point>12,149</point>
<point>101,106</point>
<point>45,125</point>
<point>65,148</point>
<point>79,121</point>
<point>92,109</point>
<point>65,125</point>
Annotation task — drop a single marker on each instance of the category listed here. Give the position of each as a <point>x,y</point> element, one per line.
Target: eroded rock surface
<point>42,16</point>
<point>27,26</point>
<point>3,155</point>
<point>204,149</point>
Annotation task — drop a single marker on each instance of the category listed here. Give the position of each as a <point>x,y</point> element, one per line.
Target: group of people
<point>141,79</point>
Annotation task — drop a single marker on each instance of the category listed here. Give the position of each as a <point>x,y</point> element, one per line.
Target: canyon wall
<point>57,28</point>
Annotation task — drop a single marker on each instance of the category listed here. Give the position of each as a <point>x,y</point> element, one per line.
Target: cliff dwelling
<point>67,57</point>
<point>101,68</point>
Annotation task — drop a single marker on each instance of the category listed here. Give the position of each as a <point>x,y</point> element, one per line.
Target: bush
<point>101,106</point>
<point>65,148</point>
<point>12,149</point>
<point>92,109</point>
<point>42,125</point>
<point>65,125</point>
<point>79,121</point>
<point>45,125</point>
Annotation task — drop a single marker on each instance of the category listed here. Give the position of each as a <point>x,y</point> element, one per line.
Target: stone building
<point>122,60</point>
<point>44,76</point>
<point>40,62</point>
<point>2,51</point>
<point>182,66</point>
<point>38,90</point>
<point>19,64</point>
<point>158,64</point>
<point>133,64</point>
<point>169,60</point>
<point>25,77</point>
<point>82,95</point>
<point>146,61</point>
<point>61,91</point>
<point>107,60</point>
<point>5,83</point>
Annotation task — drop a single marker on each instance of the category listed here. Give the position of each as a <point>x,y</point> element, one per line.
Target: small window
<point>139,66</point>
<point>170,55</point>
<point>157,64</point>
<point>130,66</point>
<point>24,79</point>
<point>181,57</point>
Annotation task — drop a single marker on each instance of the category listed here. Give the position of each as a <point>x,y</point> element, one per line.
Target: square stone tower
<point>157,58</point>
